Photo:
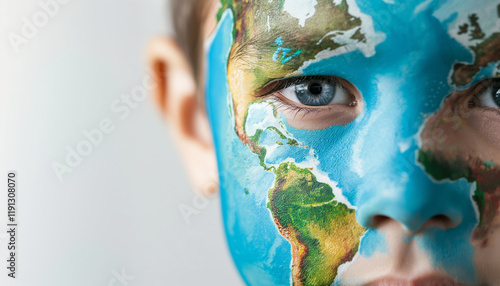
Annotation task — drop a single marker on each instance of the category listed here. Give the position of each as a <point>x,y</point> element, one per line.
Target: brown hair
<point>188,17</point>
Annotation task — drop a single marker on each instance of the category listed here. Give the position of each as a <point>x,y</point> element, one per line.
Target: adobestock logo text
<point>121,107</point>
<point>31,25</point>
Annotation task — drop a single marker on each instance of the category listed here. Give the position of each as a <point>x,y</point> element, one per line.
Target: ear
<point>175,93</point>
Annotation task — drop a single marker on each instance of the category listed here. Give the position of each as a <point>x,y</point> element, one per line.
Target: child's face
<point>358,141</point>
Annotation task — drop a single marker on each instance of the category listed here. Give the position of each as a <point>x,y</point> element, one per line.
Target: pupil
<point>315,88</point>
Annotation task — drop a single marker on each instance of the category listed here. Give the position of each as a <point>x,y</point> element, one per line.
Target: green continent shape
<point>323,232</point>
<point>259,23</point>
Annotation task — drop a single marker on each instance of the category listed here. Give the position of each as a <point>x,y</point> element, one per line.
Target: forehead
<point>278,38</point>
<point>291,31</point>
<point>256,22</point>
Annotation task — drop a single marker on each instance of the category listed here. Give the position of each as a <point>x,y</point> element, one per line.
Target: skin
<point>250,69</point>
<point>467,147</point>
<point>398,183</point>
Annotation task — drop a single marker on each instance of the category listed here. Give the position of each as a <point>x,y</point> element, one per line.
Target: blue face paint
<point>261,254</point>
<point>368,167</point>
<point>283,52</point>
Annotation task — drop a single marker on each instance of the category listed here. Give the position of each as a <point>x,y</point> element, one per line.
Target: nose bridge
<point>393,185</point>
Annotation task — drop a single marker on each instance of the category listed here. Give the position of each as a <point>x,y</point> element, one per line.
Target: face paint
<point>352,133</point>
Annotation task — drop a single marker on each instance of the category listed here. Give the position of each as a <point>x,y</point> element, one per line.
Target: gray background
<point>117,210</point>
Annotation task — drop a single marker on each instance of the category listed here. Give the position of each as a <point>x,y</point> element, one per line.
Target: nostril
<point>379,220</point>
<point>385,214</point>
<point>437,221</point>
<point>441,218</point>
<point>441,221</point>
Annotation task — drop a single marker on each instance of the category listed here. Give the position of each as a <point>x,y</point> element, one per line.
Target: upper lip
<point>427,280</point>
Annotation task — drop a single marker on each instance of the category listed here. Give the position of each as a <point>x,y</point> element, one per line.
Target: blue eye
<point>496,97</point>
<point>316,92</point>
<point>490,97</point>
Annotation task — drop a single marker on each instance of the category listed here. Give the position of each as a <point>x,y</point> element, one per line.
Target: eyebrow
<point>252,47</point>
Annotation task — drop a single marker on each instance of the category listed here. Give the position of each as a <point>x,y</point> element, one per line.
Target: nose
<point>416,204</point>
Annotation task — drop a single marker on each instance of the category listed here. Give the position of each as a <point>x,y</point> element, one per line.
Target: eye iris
<point>316,93</point>
<point>496,96</point>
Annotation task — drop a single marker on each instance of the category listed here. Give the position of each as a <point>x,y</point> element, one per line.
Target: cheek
<point>461,137</point>
<point>323,232</point>
<point>338,115</point>
<point>308,209</point>
<point>485,126</point>
<point>467,146</point>
<point>487,259</point>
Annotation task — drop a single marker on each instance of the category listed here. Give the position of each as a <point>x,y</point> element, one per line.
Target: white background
<point>117,210</point>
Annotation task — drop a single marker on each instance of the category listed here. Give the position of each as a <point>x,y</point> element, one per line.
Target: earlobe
<point>175,94</point>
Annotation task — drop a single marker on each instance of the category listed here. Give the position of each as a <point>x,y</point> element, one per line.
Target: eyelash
<point>287,82</point>
<point>478,89</point>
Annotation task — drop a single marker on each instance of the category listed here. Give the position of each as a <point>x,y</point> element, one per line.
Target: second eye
<point>491,96</point>
<point>316,92</point>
